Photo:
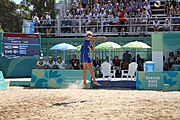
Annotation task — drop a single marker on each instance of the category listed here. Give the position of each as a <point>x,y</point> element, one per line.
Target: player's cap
<point>58,57</point>
<point>50,57</point>
<point>47,12</point>
<point>88,32</point>
<point>41,58</point>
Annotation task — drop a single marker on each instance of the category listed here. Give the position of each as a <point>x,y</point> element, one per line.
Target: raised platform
<point>116,83</point>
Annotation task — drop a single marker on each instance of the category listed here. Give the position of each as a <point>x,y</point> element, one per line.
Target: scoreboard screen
<point>21,44</point>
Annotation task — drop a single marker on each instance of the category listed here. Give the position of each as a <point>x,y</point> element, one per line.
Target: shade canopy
<point>108,45</point>
<point>78,47</point>
<point>136,45</point>
<point>63,47</point>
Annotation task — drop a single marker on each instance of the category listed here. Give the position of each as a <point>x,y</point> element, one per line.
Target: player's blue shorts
<point>85,57</point>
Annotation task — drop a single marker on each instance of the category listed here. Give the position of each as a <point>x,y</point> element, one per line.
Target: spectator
<point>51,63</point>
<point>60,63</point>
<point>122,20</point>
<point>96,63</point>
<point>167,25</point>
<point>137,20</point>
<point>48,24</point>
<point>139,61</point>
<point>126,59</point>
<point>165,64</point>
<point>178,57</point>
<point>171,59</point>
<point>176,27</point>
<point>109,60</point>
<point>116,64</point>
<point>144,19</point>
<point>156,24</point>
<point>41,64</point>
<point>43,24</point>
<point>75,64</point>
<point>67,18</point>
<point>167,7</point>
<point>36,22</point>
<point>147,8</point>
<point>110,20</point>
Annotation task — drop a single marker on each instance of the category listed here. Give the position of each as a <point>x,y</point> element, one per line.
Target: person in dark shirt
<point>96,63</point>
<point>75,64</point>
<point>116,63</point>
<point>126,59</point>
<point>139,61</point>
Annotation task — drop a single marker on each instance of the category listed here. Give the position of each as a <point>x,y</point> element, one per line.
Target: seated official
<point>178,58</point>
<point>109,60</point>
<point>60,63</point>
<point>41,64</point>
<point>75,64</point>
<point>51,63</point>
<point>96,63</point>
<point>139,61</point>
<point>116,63</point>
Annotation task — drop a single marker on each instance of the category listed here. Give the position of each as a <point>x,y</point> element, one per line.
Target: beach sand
<point>20,103</point>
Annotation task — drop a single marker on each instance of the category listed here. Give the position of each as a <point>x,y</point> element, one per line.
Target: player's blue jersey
<point>87,45</point>
<point>85,56</point>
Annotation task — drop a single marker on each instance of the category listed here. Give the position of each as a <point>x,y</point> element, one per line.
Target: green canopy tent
<point>136,45</point>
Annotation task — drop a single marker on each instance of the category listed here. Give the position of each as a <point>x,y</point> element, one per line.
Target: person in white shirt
<point>36,22</point>
<point>41,64</point>
<point>167,25</point>
<point>50,63</point>
<point>147,7</point>
<point>60,63</point>
<point>156,24</point>
<point>48,23</point>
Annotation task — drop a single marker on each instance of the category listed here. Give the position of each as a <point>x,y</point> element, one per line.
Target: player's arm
<point>93,45</point>
<point>96,38</point>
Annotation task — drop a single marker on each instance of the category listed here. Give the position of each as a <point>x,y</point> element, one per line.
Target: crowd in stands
<point>115,15</point>
<point>111,13</point>
<point>172,8</point>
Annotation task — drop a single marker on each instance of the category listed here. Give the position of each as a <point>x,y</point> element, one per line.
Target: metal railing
<point>101,26</point>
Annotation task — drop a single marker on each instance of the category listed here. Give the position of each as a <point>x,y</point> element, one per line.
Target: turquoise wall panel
<point>3,85</point>
<point>17,67</point>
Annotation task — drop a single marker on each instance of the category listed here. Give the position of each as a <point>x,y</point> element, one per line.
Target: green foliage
<point>12,14</point>
<point>42,6</point>
<point>9,19</point>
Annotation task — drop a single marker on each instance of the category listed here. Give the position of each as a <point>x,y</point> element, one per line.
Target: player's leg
<point>89,65</point>
<point>84,74</point>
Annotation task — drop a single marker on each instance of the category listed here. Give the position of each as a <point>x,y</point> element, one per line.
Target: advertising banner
<point>158,80</point>
<point>48,78</point>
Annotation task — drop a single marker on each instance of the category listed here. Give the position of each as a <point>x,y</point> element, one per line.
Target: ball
<point>157,4</point>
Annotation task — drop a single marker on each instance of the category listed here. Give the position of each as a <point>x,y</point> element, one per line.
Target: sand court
<point>79,104</point>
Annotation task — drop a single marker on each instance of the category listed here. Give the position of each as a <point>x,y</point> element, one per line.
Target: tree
<point>42,6</point>
<point>12,14</point>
